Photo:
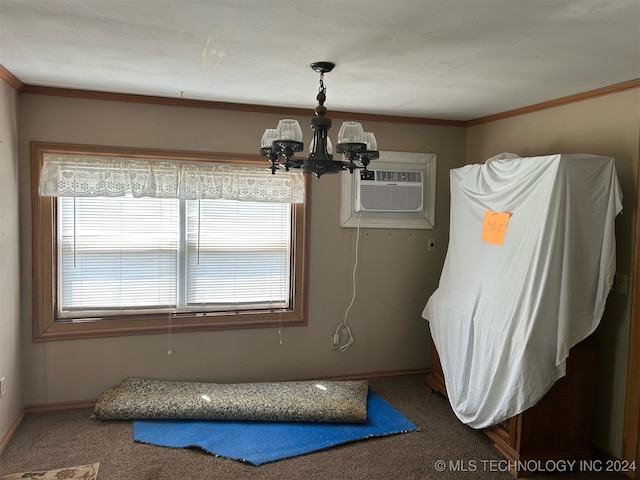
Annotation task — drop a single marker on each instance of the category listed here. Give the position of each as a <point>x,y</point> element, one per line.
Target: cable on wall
<point>344,327</point>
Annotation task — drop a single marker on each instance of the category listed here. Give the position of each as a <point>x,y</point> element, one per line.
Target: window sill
<point>161,325</point>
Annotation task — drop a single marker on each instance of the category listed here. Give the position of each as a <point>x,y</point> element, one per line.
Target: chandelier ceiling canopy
<point>357,147</point>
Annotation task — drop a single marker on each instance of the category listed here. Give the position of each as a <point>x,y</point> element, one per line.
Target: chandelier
<point>280,144</point>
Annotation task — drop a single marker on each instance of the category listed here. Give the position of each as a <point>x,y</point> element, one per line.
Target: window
<point>127,264</point>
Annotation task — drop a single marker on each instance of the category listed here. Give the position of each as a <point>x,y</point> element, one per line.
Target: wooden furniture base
<point>558,427</point>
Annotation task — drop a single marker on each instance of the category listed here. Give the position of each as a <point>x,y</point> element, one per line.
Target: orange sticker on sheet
<point>495,226</point>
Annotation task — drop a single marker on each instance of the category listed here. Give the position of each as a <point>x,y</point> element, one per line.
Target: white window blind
<point>117,253</point>
<point>125,254</point>
<point>237,253</point>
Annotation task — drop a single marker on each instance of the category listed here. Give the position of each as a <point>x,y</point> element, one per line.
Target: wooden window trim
<point>45,328</point>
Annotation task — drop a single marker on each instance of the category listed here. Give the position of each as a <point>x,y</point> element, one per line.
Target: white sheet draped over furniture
<point>505,316</point>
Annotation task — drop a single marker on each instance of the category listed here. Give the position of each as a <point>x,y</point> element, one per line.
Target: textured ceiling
<point>445,59</point>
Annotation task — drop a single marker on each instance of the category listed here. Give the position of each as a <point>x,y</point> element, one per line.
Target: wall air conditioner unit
<point>399,192</point>
<point>389,191</point>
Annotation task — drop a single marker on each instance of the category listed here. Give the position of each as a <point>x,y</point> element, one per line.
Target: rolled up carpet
<point>338,401</point>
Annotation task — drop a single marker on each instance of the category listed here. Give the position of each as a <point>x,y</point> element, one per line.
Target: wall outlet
<point>335,341</point>
<point>1,387</point>
<point>620,283</point>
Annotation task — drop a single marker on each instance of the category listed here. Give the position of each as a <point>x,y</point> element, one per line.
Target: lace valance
<point>64,175</point>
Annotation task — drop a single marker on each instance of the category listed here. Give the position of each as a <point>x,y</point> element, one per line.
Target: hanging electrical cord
<point>282,269</point>
<point>170,334</point>
<point>344,327</point>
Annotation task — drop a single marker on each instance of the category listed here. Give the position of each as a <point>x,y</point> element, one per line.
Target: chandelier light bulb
<point>289,129</point>
<point>312,146</point>
<point>350,132</point>
<point>370,139</point>
<point>268,138</point>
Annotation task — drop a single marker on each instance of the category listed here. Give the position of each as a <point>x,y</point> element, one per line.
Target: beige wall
<point>608,125</point>
<point>11,403</point>
<point>396,273</point>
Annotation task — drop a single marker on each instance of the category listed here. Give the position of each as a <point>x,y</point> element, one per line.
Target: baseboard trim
<point>6,438</point>
<point>375,374</point>
<point>52,407</point>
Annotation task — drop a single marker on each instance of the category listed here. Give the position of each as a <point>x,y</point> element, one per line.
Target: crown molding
<point>14,82</point>
<point>578,97</point>
<point>10,79</point>
<point>215,105</point>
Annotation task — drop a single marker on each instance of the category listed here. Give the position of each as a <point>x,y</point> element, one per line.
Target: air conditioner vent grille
<point>390,191</point>
<point>399,176</point>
